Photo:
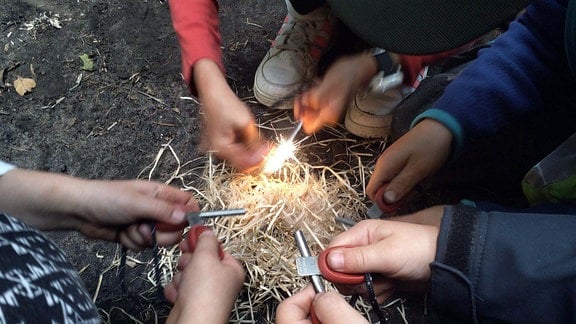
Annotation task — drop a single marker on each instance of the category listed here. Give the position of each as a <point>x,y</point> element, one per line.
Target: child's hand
<point>325,103</point>
<point>106,210</point>
<point>206,287</point>
<point>395,251</point>
<point>229,128</point>
<point>230,131</point>
<point>329,307</point>
<point>123,211</point>
<point>415,156</point>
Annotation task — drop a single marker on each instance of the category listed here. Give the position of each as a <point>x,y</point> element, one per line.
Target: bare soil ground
<point>110,122</point>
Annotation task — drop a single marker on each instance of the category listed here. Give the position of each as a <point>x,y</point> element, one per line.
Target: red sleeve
<point>412,64</point>
<point>196,26</point>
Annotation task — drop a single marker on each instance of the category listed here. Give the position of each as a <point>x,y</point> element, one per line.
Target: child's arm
<point>229,129</point>
<point>107,210</point>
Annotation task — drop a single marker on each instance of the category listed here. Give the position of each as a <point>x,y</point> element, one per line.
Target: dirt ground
<point>110,122</point>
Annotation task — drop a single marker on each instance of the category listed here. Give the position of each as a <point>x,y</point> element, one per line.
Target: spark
<point>280,154</point>
<point>284,151</point>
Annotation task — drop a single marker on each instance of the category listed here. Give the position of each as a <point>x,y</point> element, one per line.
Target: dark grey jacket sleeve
<point>505,267</point>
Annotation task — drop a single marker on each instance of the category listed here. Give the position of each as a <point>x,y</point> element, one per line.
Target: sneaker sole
<point>272,102</point>
<point>367,125</point>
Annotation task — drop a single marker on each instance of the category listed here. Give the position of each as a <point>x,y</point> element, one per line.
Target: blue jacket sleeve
<point>505,267</point>
<point>507,79</point>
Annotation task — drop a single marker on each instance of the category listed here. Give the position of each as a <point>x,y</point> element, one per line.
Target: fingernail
<point>390,196</point>
<point>336,260</point>
<point>178,214</point>
<point>207,233</point>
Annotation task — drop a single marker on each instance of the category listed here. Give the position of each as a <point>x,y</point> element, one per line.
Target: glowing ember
<point>280,154</point>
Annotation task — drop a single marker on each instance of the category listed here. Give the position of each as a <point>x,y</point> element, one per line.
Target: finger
<point>248,132</point>
<point>351,290</point>
<point>171,293</point>
<point>183,260</point>
<point>363,259</point>
<point>298,108</point>
<point>159,208</point>
<point>207,245</point>
<point>359,235</point>
<point>329,116</point>
<point>315,124</point>
<point>102,233</point>
<point>296,308</point>
<point>171,290</point>
<point>127,242</point>
<point>332,308</point>
<point>168,238</point>
<point>246,158</point>
<point>383,288</point>
<point>133,233</point>
<point>308,112</point>
<point>164,235</point>
<point>184,247</point>
<point>228,259</point>
<point>388,165</point>
<point>402,184</point>
<point>177,196</point>
<point>302,103</point>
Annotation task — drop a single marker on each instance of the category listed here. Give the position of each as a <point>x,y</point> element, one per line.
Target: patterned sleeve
<point>5,167</point>
<point>38,283</point>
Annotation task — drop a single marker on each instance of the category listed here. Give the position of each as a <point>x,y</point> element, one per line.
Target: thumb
<point>330,307</point>
<point>400,186</point>
<point>362,259</point>
<point>207,245</point>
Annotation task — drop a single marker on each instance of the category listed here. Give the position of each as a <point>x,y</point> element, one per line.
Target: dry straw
<point>300,196</point>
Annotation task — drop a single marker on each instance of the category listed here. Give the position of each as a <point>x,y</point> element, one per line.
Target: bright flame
<point>280,154</point>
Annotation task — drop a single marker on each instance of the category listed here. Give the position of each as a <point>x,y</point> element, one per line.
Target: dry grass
<point>300,196</point>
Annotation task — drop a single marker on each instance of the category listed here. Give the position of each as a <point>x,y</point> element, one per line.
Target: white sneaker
<point>293,58</point>
<point>369,115</point>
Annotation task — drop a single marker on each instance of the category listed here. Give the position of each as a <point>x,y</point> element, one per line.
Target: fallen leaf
<point>23,85</point>
<point>87,64</point>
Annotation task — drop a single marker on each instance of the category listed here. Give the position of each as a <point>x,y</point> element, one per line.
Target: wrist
<point>43,200</point>
<point>213,89</point>
<point>209,78</point>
